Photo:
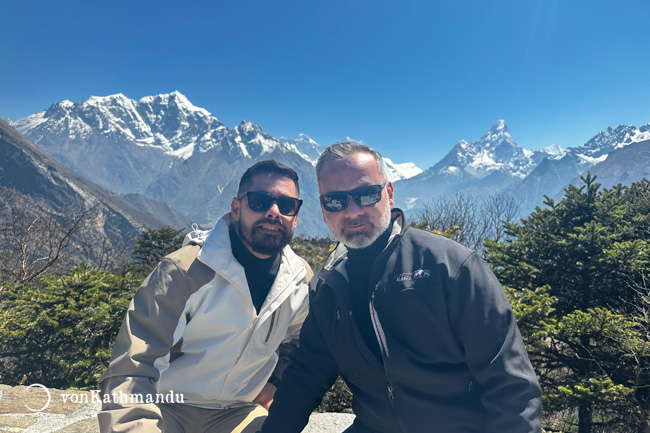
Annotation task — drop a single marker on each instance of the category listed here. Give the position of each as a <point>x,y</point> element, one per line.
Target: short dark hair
<point>267,166</point>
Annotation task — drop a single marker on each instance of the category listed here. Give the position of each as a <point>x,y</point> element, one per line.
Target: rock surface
<point>76,412</point>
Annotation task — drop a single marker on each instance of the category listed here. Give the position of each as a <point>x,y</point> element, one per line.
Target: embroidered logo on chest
<point>415,275</point>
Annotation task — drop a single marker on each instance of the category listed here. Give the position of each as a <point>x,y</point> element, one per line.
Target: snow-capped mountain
<point>624,165</point>
<point>556,172</point>
<point>405,170</point>
<point>486,166</point>
<point>303,146</point>
<point>123,144</point>
<point>495,151</point>
<point>168,122</point>
<point>167,148</point>
<point>497,164</point>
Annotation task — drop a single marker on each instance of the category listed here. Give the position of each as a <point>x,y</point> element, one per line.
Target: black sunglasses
<point>363,196</point>
<point>260,201</point>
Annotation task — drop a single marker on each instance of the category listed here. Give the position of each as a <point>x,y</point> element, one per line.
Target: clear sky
<point>409,78</point>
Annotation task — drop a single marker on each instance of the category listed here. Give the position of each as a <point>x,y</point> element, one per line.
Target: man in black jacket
<point>416,324</point>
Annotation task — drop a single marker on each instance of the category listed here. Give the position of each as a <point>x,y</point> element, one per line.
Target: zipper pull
<point>338,315</point>
<point>391,396</point>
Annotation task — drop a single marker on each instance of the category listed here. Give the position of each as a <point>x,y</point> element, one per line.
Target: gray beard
<point>364,239</point>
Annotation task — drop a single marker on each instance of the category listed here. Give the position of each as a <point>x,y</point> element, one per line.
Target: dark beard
<point>266,244</point>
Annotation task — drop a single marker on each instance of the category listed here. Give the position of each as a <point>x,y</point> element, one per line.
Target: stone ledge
<point>63,415</point>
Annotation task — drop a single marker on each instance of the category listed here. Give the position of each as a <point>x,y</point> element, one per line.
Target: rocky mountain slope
<point>37,184</point>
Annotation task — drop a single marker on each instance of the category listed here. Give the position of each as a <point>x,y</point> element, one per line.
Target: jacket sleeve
<point>141,352</point>
<point>494,351</point>
<point>311,372</point>
<point>291,339</point>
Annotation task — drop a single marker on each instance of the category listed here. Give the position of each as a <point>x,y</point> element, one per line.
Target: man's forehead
<point>271,181</point>
<point>343,174</point>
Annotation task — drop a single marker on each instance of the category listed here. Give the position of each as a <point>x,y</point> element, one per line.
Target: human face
<point>356,226</point>
<point>265,233</point>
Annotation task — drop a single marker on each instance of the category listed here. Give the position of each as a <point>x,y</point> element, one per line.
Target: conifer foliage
<point>576,274</point>
<point>61,335</point>
<point>60,331</point>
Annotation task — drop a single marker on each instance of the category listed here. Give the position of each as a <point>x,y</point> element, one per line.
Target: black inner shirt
<point>358,266</point>
<point>260,273</point>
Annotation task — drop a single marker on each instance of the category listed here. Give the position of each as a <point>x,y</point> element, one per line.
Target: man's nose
<point>274,211</point>
<point>353,207</point>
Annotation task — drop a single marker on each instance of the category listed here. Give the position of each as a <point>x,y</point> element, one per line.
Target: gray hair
<point>343,149</point>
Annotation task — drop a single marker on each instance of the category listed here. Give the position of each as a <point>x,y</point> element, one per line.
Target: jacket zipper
<point>381,338</point>
<point>384,375</point>
<point>252,331</point>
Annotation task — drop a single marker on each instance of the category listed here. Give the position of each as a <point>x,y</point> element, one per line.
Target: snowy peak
<point>250,129</point>
<point>497,137</point>
<point>175,101</point>
<point>610,139</point>
<point>401,171</point>
<point>253,138</point>
<point>168,122</point>
<point>495,151</point>
<point>602,144</point>
<point>553,150</point>
<point>303,146</point>
<point>116,99</point>
<point>174,121</point>
<point>498,132</point>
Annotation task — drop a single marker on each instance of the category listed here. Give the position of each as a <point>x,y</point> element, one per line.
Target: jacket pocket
<point>271,326</point>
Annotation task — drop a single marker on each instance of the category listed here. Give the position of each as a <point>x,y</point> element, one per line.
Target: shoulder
<point>310,272</point>
<point>184,260</point>
<point>296,264</point>
<point>184,257</point>
<point>440,245</point>
<point>431,251</point>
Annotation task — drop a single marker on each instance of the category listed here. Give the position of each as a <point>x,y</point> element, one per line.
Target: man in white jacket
<point>208,333</point>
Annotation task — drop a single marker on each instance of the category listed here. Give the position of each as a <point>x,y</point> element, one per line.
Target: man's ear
<point>389,190</point>
<point>235,209</point>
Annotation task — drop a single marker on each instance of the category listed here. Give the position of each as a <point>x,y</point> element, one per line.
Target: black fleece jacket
<point>453,358</point>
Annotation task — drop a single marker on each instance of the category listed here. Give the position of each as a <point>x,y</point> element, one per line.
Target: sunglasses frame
<point>355,196</point>
<point>273,200</point>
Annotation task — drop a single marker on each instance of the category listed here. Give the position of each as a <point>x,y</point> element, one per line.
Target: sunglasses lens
<point>259,201</point>
<point>364,196</point>
<point>334,202</point>
<point>367,195</point>
<point>288,206</point>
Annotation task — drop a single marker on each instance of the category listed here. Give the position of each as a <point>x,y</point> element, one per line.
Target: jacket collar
<point>216,253</point>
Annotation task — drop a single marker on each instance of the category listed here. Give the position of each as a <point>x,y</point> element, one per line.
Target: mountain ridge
<point>168,149</point>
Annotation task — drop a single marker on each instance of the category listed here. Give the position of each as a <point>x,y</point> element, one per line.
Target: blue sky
<point>409,78</point>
